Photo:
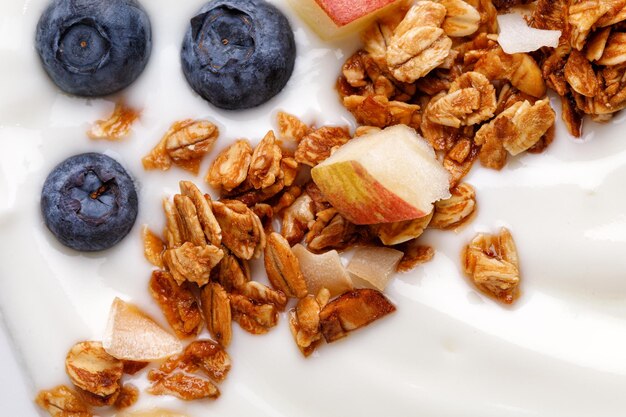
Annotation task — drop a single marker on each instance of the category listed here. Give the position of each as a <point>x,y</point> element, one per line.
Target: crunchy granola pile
<point>588,68</point>
<point>438,68</point>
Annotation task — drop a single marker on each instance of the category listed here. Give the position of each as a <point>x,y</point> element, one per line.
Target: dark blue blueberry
<point>89,202</point>
<point>238,54</point>
<point>94,47</point>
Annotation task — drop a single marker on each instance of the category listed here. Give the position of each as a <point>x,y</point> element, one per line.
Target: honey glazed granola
<point>435,66</point>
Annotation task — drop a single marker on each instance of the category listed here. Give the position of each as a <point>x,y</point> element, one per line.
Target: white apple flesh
<point>387,176</point>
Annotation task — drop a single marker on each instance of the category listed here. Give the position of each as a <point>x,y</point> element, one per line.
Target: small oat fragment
<point>153,247</point>
<point>283,268</point>
<point>232,273</point>
<point>230,168</point>
<point>129,394</point>
<point>265,163</point>
<point>216,309</point>
<point>91,369</point>
<point>189,222</point>
<point>399,232</point>
<point>202,204</point>
<point>265,315</point>
<point>454,211</point>
<point>304,321</point>
<point>178,303</point>
<point>492,263</point>
<point>319,144</point>
<point>263,294</point>
<point>351,311</point>
<point>461,18</point>
<point>117,126</point>
<point>296,219</point>
<point>291,128</point>
<point>192,263</point>
<point>414,254</point>
<point>184,144</point>
<point>62,401</point>
<point>242,230</point>
<point>185,387</point>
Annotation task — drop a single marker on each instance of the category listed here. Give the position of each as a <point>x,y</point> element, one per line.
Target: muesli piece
<point>265,163</point>
<point>230,168</point>
<point>263,294</point>
<point>456,210</point>
<point>400,232</point>
<point>129,394</point>
<point>93,370</point>
<point>216,307</point>
<point>319,144</point>
<point>178,303</point>
<point>297,218</point>
<point>202,204</point>
<point>283,268</point>
<point>62,401</point>
<point>153,247</point>
<point>414,254</point>
<point>117,126</point>
<point>265,315</point>
<point>351,311</point>
<point>184,144</point>
<point>304,321</point>
<point>492,263</point>
<point>291,128</point>
<point>183,386</point>
<point>192,263</point>
<point>242,230</point>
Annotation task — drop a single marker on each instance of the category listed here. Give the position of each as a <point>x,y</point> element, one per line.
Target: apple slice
<point>323,271</point>
<point>132,335</point>
<point>387,176</point>
<point>374,266</point>
<point>332,19</point>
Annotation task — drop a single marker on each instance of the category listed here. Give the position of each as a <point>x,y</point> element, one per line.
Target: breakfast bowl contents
<point>333,251</point>
<point>94,49</point>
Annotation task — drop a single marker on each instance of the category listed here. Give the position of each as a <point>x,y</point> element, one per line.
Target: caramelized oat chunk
<point>265,315</point>
<point>304,321</point>
<point>399,232</point>
<point>129,394</point>
<point>153,247</point>
<point>184,387</point>
<point>319,144</point>
<point>184,144</point>
<point>192,263</point>
<point>216,308</point>
<point>178,304</point>
<point>62,401</point>
<point>456,210</point>
<point>265,162</point>
<point>242,231</point>
<point>414,254</point>
<point>203,211</point>
<point>283,268</point>
<point>230,168</point>
<point>492,263</point>
<point>93,370</point>
<point>117,126</point>
<point>291,128</point>
<point>351,311</point>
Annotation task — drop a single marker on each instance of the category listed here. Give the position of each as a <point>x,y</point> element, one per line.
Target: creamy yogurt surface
<point>447,351</point>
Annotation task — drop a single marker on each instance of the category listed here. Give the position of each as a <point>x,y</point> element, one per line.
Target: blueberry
<point>89,202</point>
<point>92,47</point>
<point>238,54</point>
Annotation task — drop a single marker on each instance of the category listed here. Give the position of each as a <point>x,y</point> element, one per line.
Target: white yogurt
<point>447,351</point>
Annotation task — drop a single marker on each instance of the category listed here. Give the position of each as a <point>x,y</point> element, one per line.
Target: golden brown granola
<point>414,254</point>
<point>283,268</point>
<point>190,263</point>
<point>183,386</point>
<point>93,370</point>
<point>204,212</point>
<point>492,263</point>
<point>153,247</point>
<point>319,144</point>
<point>242,230</point>
<point>184,144</point>
<point>456,210</point>
<point>352,311</point>
<point>304,321</point>
<point>117,126</point>
<point>263,315</point>
<point>400,232</point>
<point>216,308</point>
<point>62,401</point>
<point>178,303</point>
<point>265,163</point>
<point>230,168</point>
<point>291,128</point>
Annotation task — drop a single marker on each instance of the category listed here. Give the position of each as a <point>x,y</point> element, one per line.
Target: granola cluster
<point>588,68</point>
<point>438,68</point>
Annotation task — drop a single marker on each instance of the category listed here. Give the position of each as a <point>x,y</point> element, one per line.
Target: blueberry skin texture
<point>89,202</point>
<point>238,54</point>
<point>93,48</point>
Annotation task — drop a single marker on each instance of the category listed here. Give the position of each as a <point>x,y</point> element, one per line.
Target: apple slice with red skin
<point>332,19</point>
<point>388,176</point>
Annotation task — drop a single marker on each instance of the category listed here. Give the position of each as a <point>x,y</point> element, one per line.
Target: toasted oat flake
<point>216,308</point>
<point>454,211</point>
<point>92,369</point>
<point>399,232</point>
<point>283,268</point>
<point>265,163</point>
<point>192,263</point>
<point>492,263</point>
<point>291,128</point>
<point>319,144</point>
<point>242,230</point>
<point>153,247</point>
<point>117,126</point>
<point>62,401</point>
<point>230,168</point>
<point>414,254</point>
